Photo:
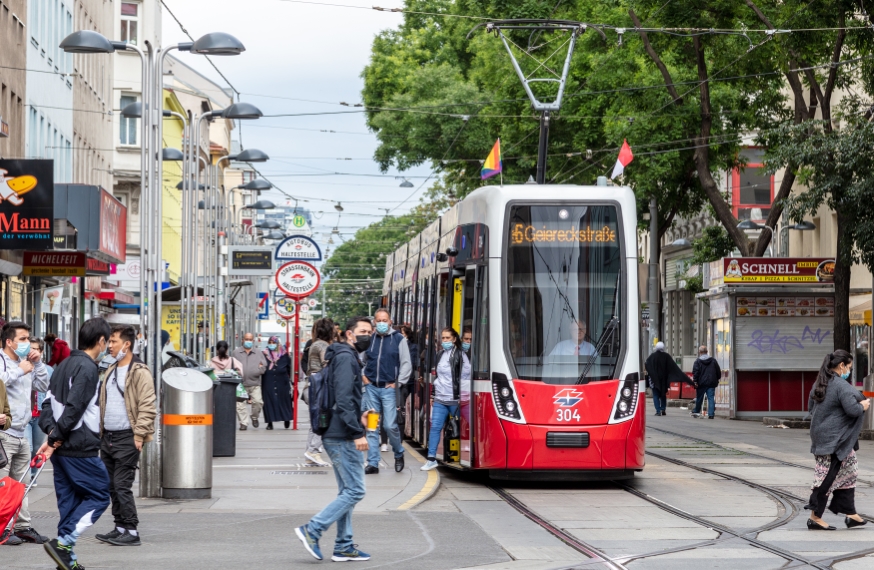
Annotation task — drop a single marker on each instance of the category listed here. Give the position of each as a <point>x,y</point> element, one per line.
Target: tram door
<point>469,314</point>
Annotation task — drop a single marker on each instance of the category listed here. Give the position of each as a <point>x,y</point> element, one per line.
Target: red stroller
<point>12,494</point>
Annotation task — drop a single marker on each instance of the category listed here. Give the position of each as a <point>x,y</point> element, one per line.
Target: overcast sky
<point>313,52</point>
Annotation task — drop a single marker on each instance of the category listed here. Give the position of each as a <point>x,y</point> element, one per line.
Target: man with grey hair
<point>254,364</point>
<point>662,371</point>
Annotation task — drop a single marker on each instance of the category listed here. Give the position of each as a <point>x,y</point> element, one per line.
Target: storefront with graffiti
<point>769,328</point>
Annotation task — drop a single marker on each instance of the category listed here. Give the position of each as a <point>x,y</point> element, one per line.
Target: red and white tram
<point>545,277</point>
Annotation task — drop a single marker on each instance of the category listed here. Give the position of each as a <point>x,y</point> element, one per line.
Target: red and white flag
<point>625,158</point>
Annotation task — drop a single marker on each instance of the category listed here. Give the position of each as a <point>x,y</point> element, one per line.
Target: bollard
<point>187,409</point>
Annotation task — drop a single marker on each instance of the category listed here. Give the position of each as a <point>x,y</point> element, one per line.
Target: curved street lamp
<point>217,43</point>
<point>258,184</point>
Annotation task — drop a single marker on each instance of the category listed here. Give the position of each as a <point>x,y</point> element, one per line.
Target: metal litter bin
<point>224,431</point>
<point>187,414</point>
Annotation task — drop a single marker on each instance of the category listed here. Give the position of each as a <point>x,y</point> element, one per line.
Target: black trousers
<point>843,500</point>
<point>121,457</point>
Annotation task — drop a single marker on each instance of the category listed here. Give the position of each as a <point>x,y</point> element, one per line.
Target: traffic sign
<point>285,308</point>
<point>299,221</point>
<point>304,309</point>
<point>298,279</point>
<point>298,247</point>
<point>263,307</point>
<point>312,303</point>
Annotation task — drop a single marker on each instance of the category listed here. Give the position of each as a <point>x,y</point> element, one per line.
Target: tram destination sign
<point>298,279</point>
<point>250,260</point>
<point>746,270</point>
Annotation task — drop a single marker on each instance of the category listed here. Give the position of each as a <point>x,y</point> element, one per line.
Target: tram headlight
<point>510,406</point>
<point>626,392</point>
<point>505,392</point>
<point>623,407</point>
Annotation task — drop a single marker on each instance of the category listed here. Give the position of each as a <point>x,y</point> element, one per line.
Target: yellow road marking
<point>430,483</point>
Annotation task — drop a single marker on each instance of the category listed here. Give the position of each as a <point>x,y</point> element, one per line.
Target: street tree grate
<point>298,472</point>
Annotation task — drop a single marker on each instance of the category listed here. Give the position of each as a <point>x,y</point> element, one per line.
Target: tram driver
<point>576,345</point>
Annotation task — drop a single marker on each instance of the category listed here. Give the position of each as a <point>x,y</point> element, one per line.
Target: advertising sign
<point>27,204</point>
<point>298,279</point>
<point>113,227</point>
<point>250,260</point>
<point>54,263</point>
<point>51,300</point>
<point>298,248</point>
<point>778,270</point>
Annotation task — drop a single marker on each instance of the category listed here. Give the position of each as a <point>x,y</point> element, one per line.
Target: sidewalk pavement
<point>258,498</point>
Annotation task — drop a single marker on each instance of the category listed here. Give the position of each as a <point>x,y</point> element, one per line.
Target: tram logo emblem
<point>568,398</point>
<point>297,277</point>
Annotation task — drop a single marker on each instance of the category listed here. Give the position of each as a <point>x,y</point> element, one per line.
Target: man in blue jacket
<point>388,365</point>
<point>70,417</point>
<point>344,441</point>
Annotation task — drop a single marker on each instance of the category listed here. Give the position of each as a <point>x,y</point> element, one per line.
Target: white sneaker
<point>315,459</point>
<point>383,447</point>
<point>429,466</point>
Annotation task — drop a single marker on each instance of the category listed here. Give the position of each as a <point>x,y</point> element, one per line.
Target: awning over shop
<point>116,296</point>
<point>861,314</point>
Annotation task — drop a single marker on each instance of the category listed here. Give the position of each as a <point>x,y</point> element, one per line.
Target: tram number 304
<point>565,415</point>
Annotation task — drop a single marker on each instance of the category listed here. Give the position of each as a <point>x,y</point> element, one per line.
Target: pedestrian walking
<point>837,411</point>
<point>323,335</point>
<point>662,371</point>
<point>276,384</point>
<point>222,361</point>
<point>254,365</point>
<point>22,372</point>
<point>34,435</point>
<point>388,365</point>
<point>453,367</point>
<point>60,349</point>
<point>127,421</point>
<point>706,374</point>
<point>344,441</point>
<point>71,418</point>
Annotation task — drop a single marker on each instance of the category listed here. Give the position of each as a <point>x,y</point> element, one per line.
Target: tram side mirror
<point>452,251</point>
<point>441,257</point>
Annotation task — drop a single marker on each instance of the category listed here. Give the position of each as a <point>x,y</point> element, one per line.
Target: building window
<point>130,22</point>
<point>128,125</point>
<point>752,189</point>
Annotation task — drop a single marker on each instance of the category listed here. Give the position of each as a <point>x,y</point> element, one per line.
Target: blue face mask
<point>247,344</point>
<point>23,349</point>
<point>382,328</point>
<point>271,346</point>
<point>845,375</point>
<point>465,346</point>
<point>448,345</point>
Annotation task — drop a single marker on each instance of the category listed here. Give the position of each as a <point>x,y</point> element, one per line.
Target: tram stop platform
<point>267,490</point>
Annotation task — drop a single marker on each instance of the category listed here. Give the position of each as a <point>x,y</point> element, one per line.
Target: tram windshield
<point>564,281</point>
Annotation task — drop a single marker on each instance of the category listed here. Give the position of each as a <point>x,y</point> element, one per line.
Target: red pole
<point>296,357</point>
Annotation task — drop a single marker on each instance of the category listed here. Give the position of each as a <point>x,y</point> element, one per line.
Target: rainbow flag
<point>493,164</point>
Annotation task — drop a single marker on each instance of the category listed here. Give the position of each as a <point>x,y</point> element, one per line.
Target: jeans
<point>18,452</point>
<point>660,400</point>
<point>711,400</point>
<point>350,483</point>
<point>440,412</point>
<point>383,401</point>
<point>36,437</point>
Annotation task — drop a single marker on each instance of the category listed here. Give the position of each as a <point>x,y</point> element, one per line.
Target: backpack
<point>305,357</point>
<point>321,399</point>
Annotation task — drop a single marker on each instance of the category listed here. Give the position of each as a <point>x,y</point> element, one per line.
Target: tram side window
<point>480,343</point>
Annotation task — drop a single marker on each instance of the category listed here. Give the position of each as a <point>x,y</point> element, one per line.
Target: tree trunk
<point>842,284</point>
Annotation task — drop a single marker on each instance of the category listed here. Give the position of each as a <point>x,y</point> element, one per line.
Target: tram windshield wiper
<point>606,336</point>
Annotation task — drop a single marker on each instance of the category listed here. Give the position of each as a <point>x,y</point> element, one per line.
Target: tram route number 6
<point>567,415</point>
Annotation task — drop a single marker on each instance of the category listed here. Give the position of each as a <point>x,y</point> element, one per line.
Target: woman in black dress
<point>276,384</point>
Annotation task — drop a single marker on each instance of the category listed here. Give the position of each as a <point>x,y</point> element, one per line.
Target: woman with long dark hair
<point>837,410</point>
<point>452,367</point>
<point>276,384</point>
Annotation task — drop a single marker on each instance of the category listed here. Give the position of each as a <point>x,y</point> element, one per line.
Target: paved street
<point>671,516</point>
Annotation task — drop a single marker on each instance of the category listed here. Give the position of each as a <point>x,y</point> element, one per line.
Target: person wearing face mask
<point>127,420</point>
<point>22,372</point>
<point>837,411</point>
<point>453,367</point>
<point>254,365</point>
<point>276,384</point>
<point>466,339</point>
<point>388,365</point>
<point>70,417</point>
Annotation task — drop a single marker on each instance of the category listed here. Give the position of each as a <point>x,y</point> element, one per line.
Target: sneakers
<point>383,447</point>
<point>399,464</point>
<point>371,470</point>
<point>254,422</point>
<point>243,427</point>
<point>113,534</point>
<point>62,555</point>
<point>351,553</point>
<point>10,539</point>
<point>30,535</point>
<point>126,539</point>
<point>695,415</point>
<point>310,543</point>
<point>432,464</point>
<point>315,459</point>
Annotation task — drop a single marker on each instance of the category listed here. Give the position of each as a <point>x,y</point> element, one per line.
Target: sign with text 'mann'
<point>27,203</point>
